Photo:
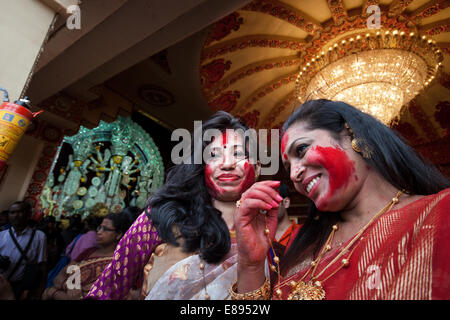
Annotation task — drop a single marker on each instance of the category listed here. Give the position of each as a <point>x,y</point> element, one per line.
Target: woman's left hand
<point>251,224</point>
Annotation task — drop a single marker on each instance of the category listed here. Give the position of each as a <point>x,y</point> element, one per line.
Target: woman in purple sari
<point>182,246</point>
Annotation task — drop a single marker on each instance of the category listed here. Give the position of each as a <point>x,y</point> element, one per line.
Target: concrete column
<point>23,27</point>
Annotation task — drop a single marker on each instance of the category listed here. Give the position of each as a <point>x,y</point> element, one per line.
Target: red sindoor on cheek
<point>214,189</point>
<point>284,141</point>
<point>249,180</point>
<point>339,167</point>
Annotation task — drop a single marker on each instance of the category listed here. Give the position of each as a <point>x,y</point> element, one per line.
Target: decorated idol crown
<point>122,137</point>
<point>81,144</point>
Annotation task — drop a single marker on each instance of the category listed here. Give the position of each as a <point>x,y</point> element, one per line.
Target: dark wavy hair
<point>390,156</point>
<point>184,202</point>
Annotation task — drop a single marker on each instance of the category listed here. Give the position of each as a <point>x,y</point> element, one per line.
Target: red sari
<point>405,254</point>
<point>90,268</point>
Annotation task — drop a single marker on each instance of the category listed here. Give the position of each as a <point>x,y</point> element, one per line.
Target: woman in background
<point>90,262</point>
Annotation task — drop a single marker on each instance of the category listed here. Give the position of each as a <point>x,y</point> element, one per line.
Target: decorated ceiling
<point>251,59</point>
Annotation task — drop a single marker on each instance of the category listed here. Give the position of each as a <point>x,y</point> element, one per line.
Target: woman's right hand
<point>250,223</point>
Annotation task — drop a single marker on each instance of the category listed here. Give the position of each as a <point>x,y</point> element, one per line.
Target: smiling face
<point>323,169</point>
<point>228,171</point>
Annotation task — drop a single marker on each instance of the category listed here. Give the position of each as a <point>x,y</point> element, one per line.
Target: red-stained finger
<point>270,186</point>
<point>271,191</point>
<point>249,204</point>
<point>260,194</point>
<point>270,183</point>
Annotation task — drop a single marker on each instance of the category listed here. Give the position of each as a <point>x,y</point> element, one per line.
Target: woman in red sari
<point>378,224</point>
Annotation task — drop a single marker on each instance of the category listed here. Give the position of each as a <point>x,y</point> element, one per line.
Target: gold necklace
<point>312,289</point>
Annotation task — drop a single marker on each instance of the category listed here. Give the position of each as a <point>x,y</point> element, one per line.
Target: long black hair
<point>183,205</point>
<point>390,156</point>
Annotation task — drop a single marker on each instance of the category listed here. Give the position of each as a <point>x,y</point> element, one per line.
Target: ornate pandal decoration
<point>106,164</point>
<point>312,289</point>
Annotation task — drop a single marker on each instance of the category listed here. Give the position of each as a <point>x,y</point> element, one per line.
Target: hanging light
<point>375,72</point>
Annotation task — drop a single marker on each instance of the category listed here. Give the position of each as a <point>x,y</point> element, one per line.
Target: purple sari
<point>130,257</point>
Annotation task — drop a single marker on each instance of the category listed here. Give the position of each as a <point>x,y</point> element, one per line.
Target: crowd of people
<point>35,256</point>
<point>377,225</point>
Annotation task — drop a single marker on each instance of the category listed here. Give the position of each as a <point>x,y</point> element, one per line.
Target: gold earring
<point>354,140</point>
<point>355,145</point>
<point>366,150</point>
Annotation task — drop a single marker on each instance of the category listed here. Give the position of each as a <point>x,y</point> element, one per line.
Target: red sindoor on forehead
<point>224,139</point>
<point>229,139</point>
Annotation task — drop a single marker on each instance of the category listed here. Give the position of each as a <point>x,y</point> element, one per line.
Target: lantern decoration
<point>14,121</point>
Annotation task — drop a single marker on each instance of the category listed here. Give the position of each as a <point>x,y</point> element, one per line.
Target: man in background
<point>25,248</point>
<point>286,228</point>
<point>285,225</point>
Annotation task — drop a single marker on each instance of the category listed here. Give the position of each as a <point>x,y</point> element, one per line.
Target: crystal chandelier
<point>375,72</point>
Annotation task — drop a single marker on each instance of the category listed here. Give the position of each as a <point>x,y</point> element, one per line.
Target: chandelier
<point>375,72</point>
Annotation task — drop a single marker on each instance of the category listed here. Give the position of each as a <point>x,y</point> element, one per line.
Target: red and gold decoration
<point>14,121</point>
<point>52,137</point>
<point>260,56</point>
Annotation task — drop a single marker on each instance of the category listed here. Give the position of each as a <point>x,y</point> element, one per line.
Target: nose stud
<point>298,172</point>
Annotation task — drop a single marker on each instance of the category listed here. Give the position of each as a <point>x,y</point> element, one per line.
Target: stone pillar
<point>23,28</point>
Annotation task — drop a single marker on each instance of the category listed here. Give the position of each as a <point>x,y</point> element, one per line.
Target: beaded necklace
<point>312,289</point>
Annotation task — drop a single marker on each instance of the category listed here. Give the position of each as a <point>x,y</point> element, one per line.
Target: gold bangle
<point>262,293</point>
